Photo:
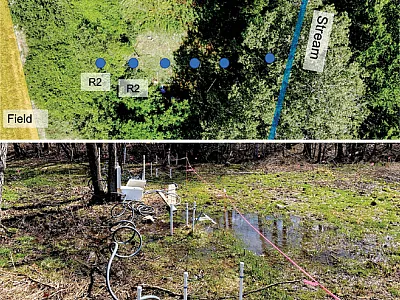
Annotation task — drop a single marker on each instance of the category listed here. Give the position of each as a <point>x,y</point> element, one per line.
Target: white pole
<point>194,216</point>
<point>169,159</point>
<point>156,159</point>
<point>139,292</point>
<point>241,281</point>
<point>124,154</point>
<point>170,173</point>
<point>151,169</point>
<point>176,159</point>
<point>187,214</point>
<point>185,285</point>
<point>171,219</point>
<point>144,168</point>
<point>156,172</point>
<point>118,170</point>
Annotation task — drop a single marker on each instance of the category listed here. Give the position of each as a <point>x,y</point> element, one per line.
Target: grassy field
<point>13,91</point>
<point>346,234</point>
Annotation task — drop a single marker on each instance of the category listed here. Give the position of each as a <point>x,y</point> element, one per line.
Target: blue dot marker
<point>224,63</point>
<point>194,63</point>
<point>100,63</point>
<point>269,58</point>
<point>133,63</point>
<point>165,63</point>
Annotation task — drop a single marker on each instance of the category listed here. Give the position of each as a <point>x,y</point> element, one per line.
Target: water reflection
<point>281,233</point>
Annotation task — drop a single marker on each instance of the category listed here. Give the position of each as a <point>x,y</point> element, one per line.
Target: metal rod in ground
<point>185,285</point>
<point>144,168</point>
<point>151,169</point>
<point>241,276</point>
<point>171,219</point>
<point>139,292</point>
<point>187,214</point>
<point>194,216</point>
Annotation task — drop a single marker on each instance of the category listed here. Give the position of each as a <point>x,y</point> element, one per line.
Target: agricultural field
<point>340,222</point>
<point>13,92</point>
<point>355,97</point>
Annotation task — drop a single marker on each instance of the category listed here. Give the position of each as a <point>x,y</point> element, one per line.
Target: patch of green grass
<point>9,195</point>
<point>50,264</point>
<point>37,181</point>
<point>394,292</point>
<point>25,240</point>
<point>5,256</point>
<point>169,16</point>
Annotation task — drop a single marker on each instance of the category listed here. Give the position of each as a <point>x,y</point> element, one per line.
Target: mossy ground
<point>58,245</point>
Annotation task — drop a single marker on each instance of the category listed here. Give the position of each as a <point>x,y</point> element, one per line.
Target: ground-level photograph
<point>199,221</point>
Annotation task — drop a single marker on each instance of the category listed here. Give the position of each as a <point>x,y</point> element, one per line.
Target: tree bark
<point>3,156</point>
<point>112,176</point>
<point>95,171</point>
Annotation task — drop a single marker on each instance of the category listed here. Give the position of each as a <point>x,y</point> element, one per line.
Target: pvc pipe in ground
<point>241,276</point>
<point>156,172</point>
<point>171,219</point>
<point>194,216</point>
<point>170,173</point>
<point>187,214</point>
<point>139,292</point>
<point>185,285</point>
<point>118,170</point>
<point>151,169</point>
<point>144,168</point>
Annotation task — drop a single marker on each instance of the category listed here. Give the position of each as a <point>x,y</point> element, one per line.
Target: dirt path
<point>14,90</point>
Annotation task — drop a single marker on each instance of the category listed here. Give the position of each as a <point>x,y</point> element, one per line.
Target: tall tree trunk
<point>3,157</point>
<point>112,176</point>
<point>340,153</point>
<point>319,153</point>
<point>95,170</point>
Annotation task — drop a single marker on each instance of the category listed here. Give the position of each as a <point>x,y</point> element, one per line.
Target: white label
<point>138,88</point>
<point>35,118</point>
<point>318,41</point>
<point>95,82</point>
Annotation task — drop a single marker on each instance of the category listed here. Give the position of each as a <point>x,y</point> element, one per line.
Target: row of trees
<point>357,95</point>
<point>197,153</point>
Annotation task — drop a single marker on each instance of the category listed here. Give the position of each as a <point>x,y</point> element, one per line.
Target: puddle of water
<point>288,233</point>
<point>281,233</point>
<point>274,229</point>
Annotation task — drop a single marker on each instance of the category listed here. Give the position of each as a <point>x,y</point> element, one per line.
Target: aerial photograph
<point>199,221</point>
<point>200,69</point>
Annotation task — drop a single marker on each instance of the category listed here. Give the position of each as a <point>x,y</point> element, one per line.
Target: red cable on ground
<point>314,281</point>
